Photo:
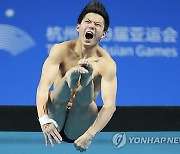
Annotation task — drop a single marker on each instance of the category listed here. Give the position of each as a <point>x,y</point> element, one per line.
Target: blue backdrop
<point>143,39</point>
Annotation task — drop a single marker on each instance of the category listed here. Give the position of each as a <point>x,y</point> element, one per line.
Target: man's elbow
<point>111,108</point>
<point>114,108</point>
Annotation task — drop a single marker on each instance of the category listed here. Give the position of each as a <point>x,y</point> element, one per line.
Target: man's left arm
<point>108,88</point>
<point>108,91</point>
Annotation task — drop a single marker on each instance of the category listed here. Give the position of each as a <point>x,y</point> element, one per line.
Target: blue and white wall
<point>143,39</point>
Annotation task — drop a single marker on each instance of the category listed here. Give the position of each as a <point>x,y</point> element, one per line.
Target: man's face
<point>91,29</point>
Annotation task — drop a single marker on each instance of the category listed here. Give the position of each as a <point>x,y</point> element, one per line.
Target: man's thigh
<point>79,119</point>
<point>57,111</point>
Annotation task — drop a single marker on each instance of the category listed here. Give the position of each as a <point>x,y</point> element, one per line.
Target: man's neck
<point>84,51</point>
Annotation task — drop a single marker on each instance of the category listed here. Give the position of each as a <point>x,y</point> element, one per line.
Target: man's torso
<point>71,58</point>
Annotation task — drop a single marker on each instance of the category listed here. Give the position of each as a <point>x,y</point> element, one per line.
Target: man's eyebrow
<point>96,22</point>
<point>87,19</point>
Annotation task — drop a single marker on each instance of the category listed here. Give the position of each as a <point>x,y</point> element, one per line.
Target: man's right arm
<point>49,72</point>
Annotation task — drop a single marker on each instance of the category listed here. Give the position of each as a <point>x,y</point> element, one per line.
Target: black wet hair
<point>95,7</point>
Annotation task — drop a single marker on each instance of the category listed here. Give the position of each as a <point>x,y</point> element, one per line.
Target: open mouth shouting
<point>89,35</point>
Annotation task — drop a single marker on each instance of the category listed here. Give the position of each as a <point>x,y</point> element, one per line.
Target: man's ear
<point>77,27</point>
<point>104,34</point>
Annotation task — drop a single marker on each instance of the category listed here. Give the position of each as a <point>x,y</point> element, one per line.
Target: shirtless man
<point>78,70</point>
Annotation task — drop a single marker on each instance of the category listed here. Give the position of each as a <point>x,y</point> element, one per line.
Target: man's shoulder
<point>106,58</point>
<point>62,45</point>
<point>107,64</point>
<point>61,48</point>
<point>102,50</point>
<point>104,53</point>
<point>67,44</point>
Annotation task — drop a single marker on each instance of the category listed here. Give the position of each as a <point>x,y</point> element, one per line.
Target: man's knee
<point>60,97</point>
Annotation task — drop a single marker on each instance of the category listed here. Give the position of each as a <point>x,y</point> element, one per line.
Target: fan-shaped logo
<point>119,140</point>
<point>14,40</point>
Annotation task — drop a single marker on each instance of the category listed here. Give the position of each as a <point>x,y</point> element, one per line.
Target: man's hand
<point>83,142</point>
<point>51,132</point>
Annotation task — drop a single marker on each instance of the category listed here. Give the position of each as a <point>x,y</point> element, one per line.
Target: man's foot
<point>86,77</point>
<point>72,76</point>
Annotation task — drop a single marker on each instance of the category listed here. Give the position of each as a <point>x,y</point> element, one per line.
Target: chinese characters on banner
<point>120,34</point>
